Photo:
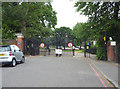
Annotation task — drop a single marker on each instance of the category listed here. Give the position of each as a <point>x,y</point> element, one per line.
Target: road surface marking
<point>105,77</point>
<point>99,77</point>
<point>112,84</point>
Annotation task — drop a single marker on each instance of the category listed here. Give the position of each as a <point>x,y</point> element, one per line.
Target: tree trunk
<point>80,47</point>
<point>23,28</point>
<point>64,47</point>
<point>23,31</point>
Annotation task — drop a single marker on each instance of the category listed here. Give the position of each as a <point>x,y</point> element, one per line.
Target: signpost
<point>113,43</point>
<point>42,45</point>
<point>88,48</point>
<point>70,45</point>
<point>88,43</point>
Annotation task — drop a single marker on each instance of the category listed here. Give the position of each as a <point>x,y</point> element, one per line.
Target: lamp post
<point>56,40</point>
<point>85,49</point>
<point>65,41</point>
<point>105,40</point>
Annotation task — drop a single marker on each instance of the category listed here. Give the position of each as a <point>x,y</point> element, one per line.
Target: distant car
<point>82,47</point>
<point>78,47</point>
<point>11,54</point>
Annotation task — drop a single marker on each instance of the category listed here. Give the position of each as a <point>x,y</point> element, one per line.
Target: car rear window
<point>4,48</point>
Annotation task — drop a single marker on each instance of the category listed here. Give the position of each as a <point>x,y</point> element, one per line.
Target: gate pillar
<point>20,40</point>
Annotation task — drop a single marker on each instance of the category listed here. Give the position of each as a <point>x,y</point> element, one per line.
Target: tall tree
<point>0,21</point>
<point>29,18</point>
<point>64,34</point>
<point>81,32</point>
<point>101,14</point>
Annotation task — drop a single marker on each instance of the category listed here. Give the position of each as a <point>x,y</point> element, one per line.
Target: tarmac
<point>109,70</point>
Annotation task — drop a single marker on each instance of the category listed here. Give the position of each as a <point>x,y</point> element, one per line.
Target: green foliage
<point>64,34</point>
<point>0,14</point>
<point>29,18</point>
<point>101,14</point>
<point>81,32</point>
<point>100,48</point>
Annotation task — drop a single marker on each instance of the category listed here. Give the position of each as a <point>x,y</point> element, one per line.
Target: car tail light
<point>10,54</point>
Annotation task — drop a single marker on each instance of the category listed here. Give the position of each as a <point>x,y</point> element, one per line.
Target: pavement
<point>108,70</point>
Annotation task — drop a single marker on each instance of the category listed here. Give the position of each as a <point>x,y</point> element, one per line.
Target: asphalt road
<point>50,71</point>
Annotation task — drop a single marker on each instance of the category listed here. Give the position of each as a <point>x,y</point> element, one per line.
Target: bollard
<point>45,52</point>
<point>49,51</point>
<point>73,52</point>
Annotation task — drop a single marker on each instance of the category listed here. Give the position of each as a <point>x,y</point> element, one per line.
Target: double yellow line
<point>111,84</point>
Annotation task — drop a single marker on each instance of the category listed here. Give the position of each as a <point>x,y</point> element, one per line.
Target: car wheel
<point>13,63</point>
<point>23,60</point>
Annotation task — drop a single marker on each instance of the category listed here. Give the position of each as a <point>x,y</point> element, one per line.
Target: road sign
<point>87,43</point>
<point>113,43</point>
<point>70,44</point>
<point>42,45</point>
<point>87,47</point>
<point>19,43</point>
<point>104,38</point>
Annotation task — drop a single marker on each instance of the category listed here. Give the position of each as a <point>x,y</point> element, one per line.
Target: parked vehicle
<point>11,54</point>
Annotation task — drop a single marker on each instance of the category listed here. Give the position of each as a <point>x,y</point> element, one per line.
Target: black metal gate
<point>55,42</point>
<point>32,46</point>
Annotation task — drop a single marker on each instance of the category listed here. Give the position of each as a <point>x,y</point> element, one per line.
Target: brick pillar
<point>20,41</point>
<point>111,52</point>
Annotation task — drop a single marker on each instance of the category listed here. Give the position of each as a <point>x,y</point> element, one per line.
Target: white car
<point>11,54</point>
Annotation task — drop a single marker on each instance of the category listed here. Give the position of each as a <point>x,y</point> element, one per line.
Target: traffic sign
<point>104,38</point>
<point>42,45</point>
<point>87,43</point>
<point>113,43</point>
<point>70,44</point>
<point>87,47</point>
<point>19,43</point>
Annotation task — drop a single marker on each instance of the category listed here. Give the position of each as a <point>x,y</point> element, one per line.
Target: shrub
<point>100,50</point>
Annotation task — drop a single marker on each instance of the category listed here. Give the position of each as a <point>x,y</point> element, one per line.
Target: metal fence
<point>32,47</point>
<point>51,52</point>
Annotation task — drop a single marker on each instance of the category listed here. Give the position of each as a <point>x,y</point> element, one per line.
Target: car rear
<point>6,54</point>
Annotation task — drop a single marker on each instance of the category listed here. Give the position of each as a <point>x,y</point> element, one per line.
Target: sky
<point>66,13</point>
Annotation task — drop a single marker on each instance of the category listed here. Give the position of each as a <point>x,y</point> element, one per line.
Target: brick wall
<point>18,41</point>
<point>10,41</point>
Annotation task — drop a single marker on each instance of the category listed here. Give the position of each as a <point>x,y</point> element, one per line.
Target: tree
<point>81,32</point>
<point>101,14</point>
<point>0,22</point>
<point>64,34</point>
<point>29,18</point>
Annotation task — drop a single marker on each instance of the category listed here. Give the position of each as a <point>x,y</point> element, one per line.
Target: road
<point>50,71</point>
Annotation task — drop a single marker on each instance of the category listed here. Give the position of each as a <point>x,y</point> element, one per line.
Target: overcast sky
<point>66,13</point>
